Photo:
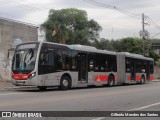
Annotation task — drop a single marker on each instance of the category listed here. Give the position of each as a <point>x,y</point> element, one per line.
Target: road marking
<point>10,93</point>
<point>144,107</point>
<point>100,118</point>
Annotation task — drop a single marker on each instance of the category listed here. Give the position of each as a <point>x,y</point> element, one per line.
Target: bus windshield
<point>24,60</point>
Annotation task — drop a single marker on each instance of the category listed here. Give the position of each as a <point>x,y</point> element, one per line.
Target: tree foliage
<point>70,26</point>
<point>103,44</point>
<point>132,45</point>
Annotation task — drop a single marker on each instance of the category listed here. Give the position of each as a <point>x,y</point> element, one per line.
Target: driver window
<point>29,59</point>
<point>41,59</point>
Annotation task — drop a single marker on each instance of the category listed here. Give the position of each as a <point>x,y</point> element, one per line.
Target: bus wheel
<point>65,83</point>
<point>42,88</point>
<point>111,81</point>
<point>142,80</point>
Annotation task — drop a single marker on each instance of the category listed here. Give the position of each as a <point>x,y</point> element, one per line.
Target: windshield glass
<point>24,60</point>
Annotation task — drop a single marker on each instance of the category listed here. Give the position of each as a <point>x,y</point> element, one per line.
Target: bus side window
<point>151,67</point>
<point>17,61</point>
<point>59,60</point>
<point>42,63</point>
<point>50,59</point>
<point>65,59</point>
<point>50,62</point>
<point>91,65</point>
<point>73,60</point>
<point>41,59</point>
<point>91,61</point>
<point>106,66</point>
<point>63,62</point>
<point>128,65</point>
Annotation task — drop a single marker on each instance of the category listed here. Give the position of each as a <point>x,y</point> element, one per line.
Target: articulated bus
<point>45,64</point>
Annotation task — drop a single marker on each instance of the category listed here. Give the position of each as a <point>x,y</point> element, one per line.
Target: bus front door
<point>82,68</point>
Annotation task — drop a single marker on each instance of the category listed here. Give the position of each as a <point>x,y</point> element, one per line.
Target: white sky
<point>115,24</point>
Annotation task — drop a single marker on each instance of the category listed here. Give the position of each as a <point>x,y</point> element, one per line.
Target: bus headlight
<point>33,75</point>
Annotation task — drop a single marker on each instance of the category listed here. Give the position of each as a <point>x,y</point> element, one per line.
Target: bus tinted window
<point>73,60</point>
<point>102,63</point>
<point>63,60</point>
<point>46,60</point>
<point>139,64</point>
<point>128,65</point>
<point>151,67</point>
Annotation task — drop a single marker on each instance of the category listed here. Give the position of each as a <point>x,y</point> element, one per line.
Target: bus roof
<point>95,50</point>
<point>89,49</point>
<point>132,55</point>
<point>84,48</point>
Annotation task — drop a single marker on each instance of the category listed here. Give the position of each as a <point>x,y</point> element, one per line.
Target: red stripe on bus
<point>129,77</point>
<point>21,76</point>
<point>138,77</point>
<point>151,77</point>
<point>101,78</point>
<point>115,76</point>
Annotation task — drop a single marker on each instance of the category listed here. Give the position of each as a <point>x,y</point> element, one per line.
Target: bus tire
<point>65,83</point>
<point>42,88</point>
<point>142,81</point>
<point>111,81</point>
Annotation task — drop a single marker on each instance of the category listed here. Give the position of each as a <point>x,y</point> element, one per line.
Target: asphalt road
<point>119,98</point>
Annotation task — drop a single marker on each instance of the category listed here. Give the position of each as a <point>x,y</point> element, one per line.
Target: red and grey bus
<point>45,64</point>
<point>134,68</point>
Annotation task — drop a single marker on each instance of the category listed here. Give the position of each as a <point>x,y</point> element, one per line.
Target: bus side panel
<point>128,78</point>
<point>40,80</point>
<point>100,78</point>
<point>121,74</point>
<point>53,79</point>
<point>139,75</point>
<point>151,77</point>
<point>74,77</point>
<point>29,82</point>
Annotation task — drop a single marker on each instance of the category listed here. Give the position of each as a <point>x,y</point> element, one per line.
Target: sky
<point>118,18</point>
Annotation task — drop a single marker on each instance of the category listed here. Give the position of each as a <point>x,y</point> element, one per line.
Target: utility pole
<point>143,34</point>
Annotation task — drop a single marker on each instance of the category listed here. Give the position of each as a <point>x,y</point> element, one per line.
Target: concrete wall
<point>157,72</point>
<point>11,31</point>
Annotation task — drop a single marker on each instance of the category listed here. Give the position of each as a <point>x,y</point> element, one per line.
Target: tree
<point>70,26</point>
<point>103,44</point>
<point>132,45</point>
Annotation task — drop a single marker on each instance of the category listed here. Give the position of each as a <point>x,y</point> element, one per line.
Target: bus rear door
<point>82,67</point>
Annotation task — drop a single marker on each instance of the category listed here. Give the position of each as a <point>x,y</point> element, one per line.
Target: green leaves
<point>132,45</point>
<point>70,26</point>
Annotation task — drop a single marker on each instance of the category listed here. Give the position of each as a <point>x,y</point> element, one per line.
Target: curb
<point>7,88</point>
<point>156,80</point>
<point>15,87</point>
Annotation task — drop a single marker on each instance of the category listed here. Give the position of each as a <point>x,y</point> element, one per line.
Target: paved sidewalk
<point>5,84</point>
<point>156,80</point>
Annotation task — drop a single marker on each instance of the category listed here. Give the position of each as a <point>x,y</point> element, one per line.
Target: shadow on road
<point>35,89</point>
